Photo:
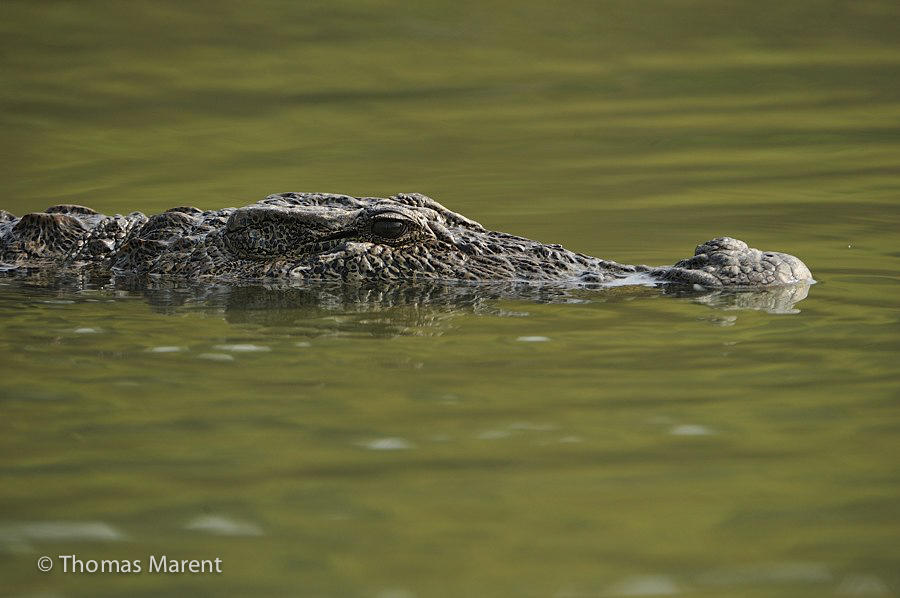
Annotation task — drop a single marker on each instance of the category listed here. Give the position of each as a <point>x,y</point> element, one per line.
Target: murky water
<point>462,441</point>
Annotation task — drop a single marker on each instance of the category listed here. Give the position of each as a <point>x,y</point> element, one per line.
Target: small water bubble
<point>533,339</point>
<point>222,526</point>
<point>863,585</point>
<point>690,430</point>
<point>388,444</point>
<point>303,344</point>
<point>242,348</point>
<point>165,349</point>
<point>646,585</point>
<point>771,573</point>
<point>86,331</point>
<point>216,356</point>
<point>62,531</point>
<point>570,439</point>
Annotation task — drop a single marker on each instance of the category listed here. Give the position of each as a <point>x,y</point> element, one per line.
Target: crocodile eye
<point>389,229</point>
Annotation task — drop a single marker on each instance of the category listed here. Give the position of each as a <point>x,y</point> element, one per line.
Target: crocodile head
<point>327,237</point>
<point>409,236</point>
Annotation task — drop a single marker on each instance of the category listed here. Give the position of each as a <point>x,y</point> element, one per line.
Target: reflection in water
<point>222,526</point>
<point>767,573</point>
<point>17,537</point>
<point>421,302</point>
<point>416,303</point>
<point>777,300</point>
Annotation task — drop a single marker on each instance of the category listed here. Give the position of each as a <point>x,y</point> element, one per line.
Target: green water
<point>624,442</point>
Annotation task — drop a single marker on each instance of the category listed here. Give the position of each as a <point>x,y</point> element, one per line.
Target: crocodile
<point>340,238</point>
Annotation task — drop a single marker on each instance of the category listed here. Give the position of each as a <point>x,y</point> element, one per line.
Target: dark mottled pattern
<point>328,237</point>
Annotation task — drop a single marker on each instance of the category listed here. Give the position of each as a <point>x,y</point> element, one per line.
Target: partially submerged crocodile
<point>328,237</point>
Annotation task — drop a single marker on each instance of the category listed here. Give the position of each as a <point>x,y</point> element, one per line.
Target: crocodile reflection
<point>424,304</point>
<point>382,309</point>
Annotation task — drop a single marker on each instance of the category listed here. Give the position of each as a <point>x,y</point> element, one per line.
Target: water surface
<point>462,441</point>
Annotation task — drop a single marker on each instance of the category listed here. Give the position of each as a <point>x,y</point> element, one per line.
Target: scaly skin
<point>327,237</point>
